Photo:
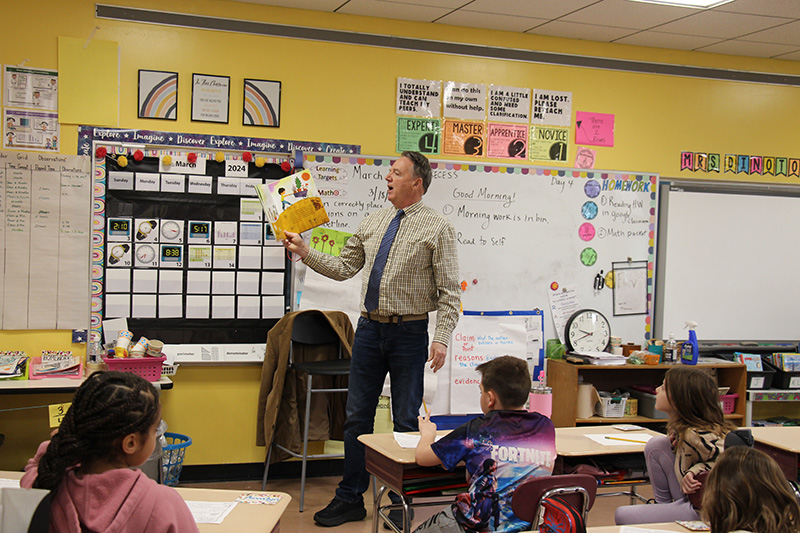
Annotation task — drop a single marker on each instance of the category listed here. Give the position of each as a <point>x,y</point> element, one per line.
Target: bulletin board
<point>187,257</point>
<point>208,279</point>
<point>523,232</point>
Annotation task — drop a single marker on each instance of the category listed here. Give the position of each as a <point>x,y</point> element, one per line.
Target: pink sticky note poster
<point>596,129</point>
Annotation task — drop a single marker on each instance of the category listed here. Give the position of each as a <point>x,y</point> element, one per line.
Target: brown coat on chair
<point>282,396</point>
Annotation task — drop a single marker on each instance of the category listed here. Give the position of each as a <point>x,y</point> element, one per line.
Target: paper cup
<point>154,348</point>
<point>141,346</point>
<point>124,338</point>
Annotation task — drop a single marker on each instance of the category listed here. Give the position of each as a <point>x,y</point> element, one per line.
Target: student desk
<point>244,517</point>
<point>573,442</point>
<point>662,526</point>
<point>782,443</point>
<point>394,466</point>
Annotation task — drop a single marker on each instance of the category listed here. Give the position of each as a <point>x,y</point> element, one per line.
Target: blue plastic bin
<point>172,455</point>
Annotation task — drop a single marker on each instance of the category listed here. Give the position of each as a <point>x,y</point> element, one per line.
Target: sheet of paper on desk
<point>409,441</point>
<point>210,512</point>
<point>9,483</point>
<point>616,439</point>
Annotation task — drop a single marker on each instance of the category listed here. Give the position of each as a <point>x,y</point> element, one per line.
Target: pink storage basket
<point>147,367</point>
<point>728,402</point>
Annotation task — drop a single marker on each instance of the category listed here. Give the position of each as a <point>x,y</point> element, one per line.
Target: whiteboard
<point>728,262</point>
<point>522,230</point>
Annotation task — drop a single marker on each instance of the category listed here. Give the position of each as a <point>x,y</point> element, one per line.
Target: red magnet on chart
<point>475,281</point>
<point>554,286</point>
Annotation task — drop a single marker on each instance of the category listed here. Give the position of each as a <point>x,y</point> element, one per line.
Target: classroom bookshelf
<point>563,377</point>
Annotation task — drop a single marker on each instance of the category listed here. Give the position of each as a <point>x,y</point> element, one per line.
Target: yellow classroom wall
<point>345,94</point>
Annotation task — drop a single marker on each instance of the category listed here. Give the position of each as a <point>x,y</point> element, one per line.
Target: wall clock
<point>587,330</point>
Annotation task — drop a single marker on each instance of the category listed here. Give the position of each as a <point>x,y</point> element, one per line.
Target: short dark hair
<point>508,377</point>
<point>422,168</point>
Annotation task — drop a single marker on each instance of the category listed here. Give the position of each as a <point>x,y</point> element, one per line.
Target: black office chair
<point>311,328</point>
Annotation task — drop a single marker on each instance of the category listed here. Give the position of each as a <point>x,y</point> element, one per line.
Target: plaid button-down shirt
<point>421,272</point>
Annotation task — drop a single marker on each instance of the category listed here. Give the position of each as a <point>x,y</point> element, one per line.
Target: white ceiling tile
<point>775,8</point>
<point>743,48</point>
<point>761,28</point>
<point>449,4</point>
<point>491,21</point>
<point>393,10</point>
<point>667,40</point>
<point>718,24</point>
<point>627,14</point>
<point>314,5</point>
<point>546,9</point>
<point>786,34</point>
<point>573,30</point>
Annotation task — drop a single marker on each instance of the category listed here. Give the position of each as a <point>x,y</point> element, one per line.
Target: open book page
<point>292,204</point>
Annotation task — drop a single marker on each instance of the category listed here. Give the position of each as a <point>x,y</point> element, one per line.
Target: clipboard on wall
<point>534,323</point>
<point>630,287</point>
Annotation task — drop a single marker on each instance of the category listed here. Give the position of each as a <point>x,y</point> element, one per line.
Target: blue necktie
<point>371,299</point>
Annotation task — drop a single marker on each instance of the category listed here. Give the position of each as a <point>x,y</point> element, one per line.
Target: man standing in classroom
<point>410,267</point>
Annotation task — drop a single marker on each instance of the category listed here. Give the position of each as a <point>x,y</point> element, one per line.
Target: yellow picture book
<point>292,204</point>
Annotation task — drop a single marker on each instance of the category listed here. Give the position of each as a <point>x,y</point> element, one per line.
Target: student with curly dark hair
<point>110,427</point>
<point>747,491</point>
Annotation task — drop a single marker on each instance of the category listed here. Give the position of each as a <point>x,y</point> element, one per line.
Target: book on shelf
<point>751,360</point>
<point>292,204</point>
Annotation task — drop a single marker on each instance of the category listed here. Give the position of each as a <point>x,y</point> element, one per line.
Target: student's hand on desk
<point>295,244</point>
<point>427,429</point>
<point>438,354</point>
<point>689,484</point>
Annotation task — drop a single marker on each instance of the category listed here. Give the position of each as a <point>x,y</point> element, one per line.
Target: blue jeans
<point>401,350</point>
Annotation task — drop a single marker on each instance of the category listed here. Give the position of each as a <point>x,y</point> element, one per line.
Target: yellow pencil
<point>627,440</point>
<point>427,413</point>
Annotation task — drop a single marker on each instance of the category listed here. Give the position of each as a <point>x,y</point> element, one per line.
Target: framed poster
<point>262,103</point>
<point>210,98</point>
<point>158,94</point>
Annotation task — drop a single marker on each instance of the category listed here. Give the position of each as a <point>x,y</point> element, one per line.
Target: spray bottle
<point>689,349</point>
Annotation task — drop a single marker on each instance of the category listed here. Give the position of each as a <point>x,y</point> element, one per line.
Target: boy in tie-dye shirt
<point>501,449</point>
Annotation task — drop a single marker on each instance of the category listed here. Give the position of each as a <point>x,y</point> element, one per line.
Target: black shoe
<point>338,512</point>
<point>396,517</point>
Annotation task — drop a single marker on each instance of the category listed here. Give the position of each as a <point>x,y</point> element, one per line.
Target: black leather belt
<point>393,319</point>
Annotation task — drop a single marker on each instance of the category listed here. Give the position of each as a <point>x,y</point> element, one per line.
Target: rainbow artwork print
<point>158,94</point>
<point>262,103</point>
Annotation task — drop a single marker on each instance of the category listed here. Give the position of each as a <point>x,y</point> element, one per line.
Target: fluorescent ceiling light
<point>697,4</point>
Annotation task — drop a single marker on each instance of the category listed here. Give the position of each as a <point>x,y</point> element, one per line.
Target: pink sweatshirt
<point>116,501</point>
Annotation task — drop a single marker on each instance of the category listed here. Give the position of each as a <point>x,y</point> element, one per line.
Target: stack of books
<point>12,364</point>
<point>788,362</point>
<point>600,358</point>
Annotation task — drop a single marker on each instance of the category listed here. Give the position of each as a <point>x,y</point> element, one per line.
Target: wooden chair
<point>577,489</point>
<point>311,328</point>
